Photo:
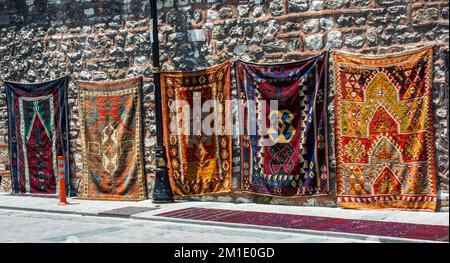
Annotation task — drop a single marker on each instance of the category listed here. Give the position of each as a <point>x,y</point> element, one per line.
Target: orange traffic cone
<point>62,182</point>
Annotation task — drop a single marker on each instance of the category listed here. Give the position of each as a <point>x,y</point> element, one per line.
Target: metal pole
<point>162,193</point>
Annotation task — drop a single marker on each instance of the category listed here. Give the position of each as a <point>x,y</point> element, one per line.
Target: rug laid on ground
<point>111,138</point>
<point>198,163</point>
<point>284,149</point>
<point>384,130</point>
<point>38,133</point>
<point>317,223</point>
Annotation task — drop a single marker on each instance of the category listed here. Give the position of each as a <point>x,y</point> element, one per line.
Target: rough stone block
<point>89,12</point>
<point>326,23</point>
<point>276,7</point>
<point>298,5</point>
<point>422,15</point>
<point>196,35</point>
<point>314,42</point>
<point>5,20</point>
<point>311,26</point>
<point>334,39</point>
<point>335,4</point>
<point>316,5</point>
<point>354,40</point>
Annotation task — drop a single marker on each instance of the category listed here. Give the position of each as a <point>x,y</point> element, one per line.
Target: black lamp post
<point>162,193</point>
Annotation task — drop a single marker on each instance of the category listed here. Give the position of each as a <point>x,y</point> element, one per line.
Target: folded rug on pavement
<point>317,223</point>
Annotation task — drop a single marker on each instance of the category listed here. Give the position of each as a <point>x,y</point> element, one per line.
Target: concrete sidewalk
<point>98,208</point>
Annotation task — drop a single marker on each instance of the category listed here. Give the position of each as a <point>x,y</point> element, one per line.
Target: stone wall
<point>101,40</point>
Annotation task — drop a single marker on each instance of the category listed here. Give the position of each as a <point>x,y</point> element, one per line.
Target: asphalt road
<point>35,227</point>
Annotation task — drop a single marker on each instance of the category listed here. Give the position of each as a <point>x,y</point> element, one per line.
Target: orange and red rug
<point>111,132</point>
<point>384,130</point>
<point>198,163</point>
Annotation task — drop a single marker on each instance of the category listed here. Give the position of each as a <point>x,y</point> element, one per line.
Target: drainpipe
<point>162,193</point>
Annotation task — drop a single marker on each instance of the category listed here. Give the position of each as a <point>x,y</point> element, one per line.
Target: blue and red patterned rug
<point>317,223</point>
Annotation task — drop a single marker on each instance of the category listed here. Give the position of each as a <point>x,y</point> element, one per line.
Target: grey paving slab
<point>126,212</point>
